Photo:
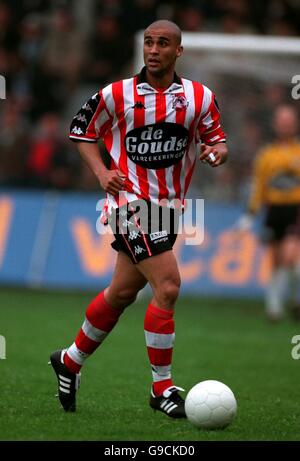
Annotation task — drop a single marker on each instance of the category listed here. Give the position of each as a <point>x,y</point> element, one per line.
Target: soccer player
<point>152,125</point>
<point>276,187</point>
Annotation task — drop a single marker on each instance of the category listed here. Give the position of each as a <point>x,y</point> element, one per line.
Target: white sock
<point>276,291</point>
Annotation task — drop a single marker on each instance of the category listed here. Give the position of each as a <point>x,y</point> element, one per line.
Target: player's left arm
<point>215,155</point>
<point>213,139</point>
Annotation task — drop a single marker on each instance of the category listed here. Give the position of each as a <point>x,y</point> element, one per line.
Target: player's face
<point>161,49</point>
<point>285,123</point>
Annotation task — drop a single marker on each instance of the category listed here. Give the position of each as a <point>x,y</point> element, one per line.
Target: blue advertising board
<point>52,240</point>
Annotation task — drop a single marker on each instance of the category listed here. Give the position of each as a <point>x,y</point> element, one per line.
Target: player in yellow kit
<point>276,187</point>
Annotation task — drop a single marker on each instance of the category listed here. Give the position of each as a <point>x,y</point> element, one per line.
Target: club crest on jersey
<point>180,103</point>
<point>156,146</point>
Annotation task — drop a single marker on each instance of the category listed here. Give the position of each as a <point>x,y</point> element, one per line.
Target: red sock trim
<point>160,386</point>
<point>101,314</point>
<point>160,357</point>
<point>159,320</point>
<point>85,344</point>
<point>161,313</point>
<point>72,366</point>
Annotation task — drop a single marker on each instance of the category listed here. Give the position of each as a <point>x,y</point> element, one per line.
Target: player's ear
<point>179,51</point>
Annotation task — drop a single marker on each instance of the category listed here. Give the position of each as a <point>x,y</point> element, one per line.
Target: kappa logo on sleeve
<point>87,107</point>
<point>77,130</point>
<point>81,118</point>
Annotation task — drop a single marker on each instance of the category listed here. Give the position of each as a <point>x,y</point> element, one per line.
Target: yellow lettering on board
<point>95,253</point>
<point>233,261</point>
<point>6,208</point>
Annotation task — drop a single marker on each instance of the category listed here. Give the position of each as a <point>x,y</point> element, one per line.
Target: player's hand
<point>213,155</point>
<point>113,181</point>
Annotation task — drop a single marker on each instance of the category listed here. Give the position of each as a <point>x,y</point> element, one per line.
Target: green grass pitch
<point>227,340</point>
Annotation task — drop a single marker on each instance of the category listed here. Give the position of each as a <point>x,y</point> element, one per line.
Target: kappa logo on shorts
<point>126,223</point>
<point>138,250</point>
<point>158,235</point>
<point>133,235</point>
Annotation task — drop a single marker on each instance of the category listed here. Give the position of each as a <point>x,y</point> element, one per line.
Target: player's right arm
<point>88,126</point>
<point>110,180</point>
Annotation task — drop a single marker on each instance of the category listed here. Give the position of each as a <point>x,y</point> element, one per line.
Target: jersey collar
<point>143,86</point>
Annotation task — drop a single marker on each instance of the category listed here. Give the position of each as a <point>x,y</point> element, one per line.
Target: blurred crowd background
<point>55,54</point>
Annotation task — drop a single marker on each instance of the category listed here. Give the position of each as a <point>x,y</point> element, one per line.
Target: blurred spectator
<point>13,146</point>
<point>63,54</point>
<point>64,169</point>
<point>190,18</point>
<point>8,31</point>
<point>138,14</point>
<point>282,27</point>
<point>283,17</point>
<point>32,38</point>
<point>232,23</point>
<point>105,44</point>
<point>5,67</point>
<point>50,163</point>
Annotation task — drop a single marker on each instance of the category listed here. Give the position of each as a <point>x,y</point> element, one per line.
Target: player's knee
<point>124,297</point>
<point>168,291</point>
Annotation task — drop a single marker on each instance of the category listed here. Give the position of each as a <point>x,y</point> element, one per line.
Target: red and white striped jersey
<point>151,134</point>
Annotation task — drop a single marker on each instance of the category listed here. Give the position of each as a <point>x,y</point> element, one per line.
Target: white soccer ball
<point>210,405</point>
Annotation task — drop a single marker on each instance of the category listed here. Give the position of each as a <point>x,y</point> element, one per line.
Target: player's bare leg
<point>104,311</point>
<point>162,273</point>
<point>127,281</point>
<point>102,315</point>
